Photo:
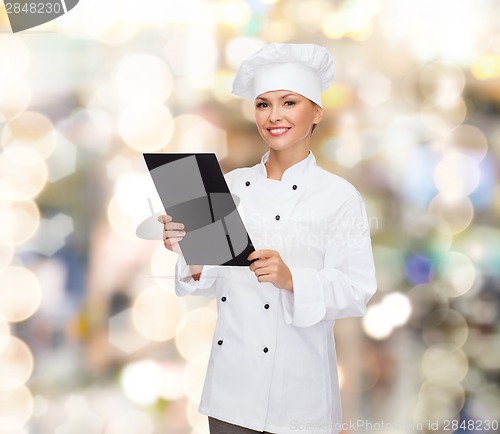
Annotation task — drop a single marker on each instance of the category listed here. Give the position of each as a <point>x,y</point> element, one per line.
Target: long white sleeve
<point>345,284</point>
<point>186,285</point>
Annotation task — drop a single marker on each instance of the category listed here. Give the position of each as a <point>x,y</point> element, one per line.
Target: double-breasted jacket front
<point>273,362</point>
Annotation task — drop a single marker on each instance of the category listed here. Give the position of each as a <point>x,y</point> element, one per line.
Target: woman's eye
<point>289,103</point>
<point>261,105</point>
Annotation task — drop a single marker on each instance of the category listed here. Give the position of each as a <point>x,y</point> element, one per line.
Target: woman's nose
<point>275,115</point>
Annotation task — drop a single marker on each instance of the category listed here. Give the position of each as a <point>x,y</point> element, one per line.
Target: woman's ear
<point>318,114</point>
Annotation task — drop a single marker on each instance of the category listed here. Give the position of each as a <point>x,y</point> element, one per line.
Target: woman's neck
<point>279,161</point>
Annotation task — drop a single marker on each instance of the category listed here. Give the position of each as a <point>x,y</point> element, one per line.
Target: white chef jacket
<point>273,365</point>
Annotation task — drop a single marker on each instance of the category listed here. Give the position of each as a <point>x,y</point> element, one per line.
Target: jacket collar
<point>294,172</point>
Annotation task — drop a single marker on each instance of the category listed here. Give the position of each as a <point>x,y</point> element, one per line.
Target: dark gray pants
<point>220,427</point>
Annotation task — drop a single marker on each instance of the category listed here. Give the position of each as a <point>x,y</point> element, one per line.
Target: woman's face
<point>285,118</point>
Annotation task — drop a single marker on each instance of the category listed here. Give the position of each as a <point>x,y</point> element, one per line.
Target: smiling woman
<point>286,120</point>
<point>273,366</point>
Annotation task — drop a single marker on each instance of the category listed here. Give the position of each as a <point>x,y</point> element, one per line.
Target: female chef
<point>273,366</point>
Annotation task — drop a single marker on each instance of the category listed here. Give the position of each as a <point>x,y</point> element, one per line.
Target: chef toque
<point>306,69</point>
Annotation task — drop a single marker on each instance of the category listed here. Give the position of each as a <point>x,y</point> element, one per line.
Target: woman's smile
<point>278,131</point>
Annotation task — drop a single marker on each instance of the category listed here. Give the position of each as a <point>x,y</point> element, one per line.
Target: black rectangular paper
<point>193,191</point>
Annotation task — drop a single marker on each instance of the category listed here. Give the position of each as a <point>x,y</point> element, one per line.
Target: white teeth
<point>278,130</point>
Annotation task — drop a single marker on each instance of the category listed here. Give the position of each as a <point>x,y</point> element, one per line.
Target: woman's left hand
<point>269,267</point>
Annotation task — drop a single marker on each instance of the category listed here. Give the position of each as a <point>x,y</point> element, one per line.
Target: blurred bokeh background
<point>92,337</point>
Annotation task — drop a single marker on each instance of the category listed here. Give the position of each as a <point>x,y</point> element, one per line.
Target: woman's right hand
<point>172,233</point>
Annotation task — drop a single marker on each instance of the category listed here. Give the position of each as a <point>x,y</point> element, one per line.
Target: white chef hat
<point>306,69</point>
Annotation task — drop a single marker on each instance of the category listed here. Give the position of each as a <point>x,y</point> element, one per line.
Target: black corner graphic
<point>26,14</point>
<point>70,4</point>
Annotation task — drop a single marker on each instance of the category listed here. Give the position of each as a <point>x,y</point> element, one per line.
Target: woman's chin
<point>278,143</point>
<point>277,147</point>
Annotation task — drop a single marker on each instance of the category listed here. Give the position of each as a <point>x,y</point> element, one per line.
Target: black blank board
<point>194,192</point>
